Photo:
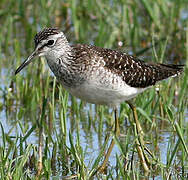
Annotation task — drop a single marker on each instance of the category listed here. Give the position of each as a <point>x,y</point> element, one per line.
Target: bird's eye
<point>50,42</point>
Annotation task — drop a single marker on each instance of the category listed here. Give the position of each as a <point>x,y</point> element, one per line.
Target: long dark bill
<point>26,62</point>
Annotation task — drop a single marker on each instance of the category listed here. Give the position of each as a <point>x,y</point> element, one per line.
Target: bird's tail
<point>169,70</point>
<point>157,72</point>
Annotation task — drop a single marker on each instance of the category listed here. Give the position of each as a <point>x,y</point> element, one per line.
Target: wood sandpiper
<point>97,75</point>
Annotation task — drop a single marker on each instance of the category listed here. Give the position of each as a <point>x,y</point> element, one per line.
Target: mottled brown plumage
<point>133,71</point>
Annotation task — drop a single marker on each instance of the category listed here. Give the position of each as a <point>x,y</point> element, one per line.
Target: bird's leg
<point>116,132</point>
<point>135,116</point>
<point>140,144</point>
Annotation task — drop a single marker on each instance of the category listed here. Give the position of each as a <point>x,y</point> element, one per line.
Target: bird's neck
<point>60,61</point>
<point>61,54</point>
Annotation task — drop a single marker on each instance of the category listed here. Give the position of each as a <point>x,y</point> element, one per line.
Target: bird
<point>97,75</point>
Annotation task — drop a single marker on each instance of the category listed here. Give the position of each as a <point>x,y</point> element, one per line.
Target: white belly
<point>104,95</point>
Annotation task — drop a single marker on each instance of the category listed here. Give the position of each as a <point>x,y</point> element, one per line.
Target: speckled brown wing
<point>133,71</point>
<point>137,73</point>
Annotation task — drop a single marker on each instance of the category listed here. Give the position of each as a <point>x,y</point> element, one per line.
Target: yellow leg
<point>107,155</point>
<point>140,144</point>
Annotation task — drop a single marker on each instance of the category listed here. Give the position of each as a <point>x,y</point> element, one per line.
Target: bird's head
<point>46,41</point>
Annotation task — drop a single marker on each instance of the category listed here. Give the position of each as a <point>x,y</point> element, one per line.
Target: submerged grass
<point>75,134</point>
